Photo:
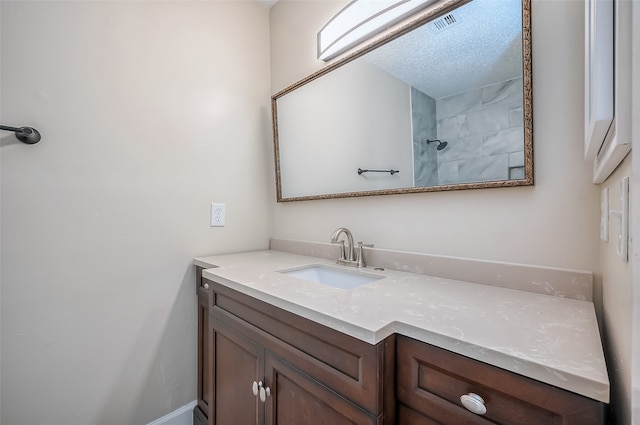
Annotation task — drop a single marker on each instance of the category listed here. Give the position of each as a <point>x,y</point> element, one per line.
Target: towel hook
<point>28,135</point>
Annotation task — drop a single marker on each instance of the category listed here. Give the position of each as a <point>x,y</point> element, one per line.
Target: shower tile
<point>426,176</point>
<point>423,115</point>
<point>418,173</point>
<point>505,141</point>
<point>516,159</point>
<point>455,127</point>
<point>487,168</point>
<point>451,106</point>
<point>482,128</point>
<point>487,120</point>
<point>516,173</point>
<point>506,92</point>
<point>516,115</point>
<point>461,148</point>
<point>448,172</point>
<point>425,166</point>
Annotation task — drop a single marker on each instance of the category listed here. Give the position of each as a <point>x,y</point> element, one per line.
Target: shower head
<point>28,135</point>
<point>441,145</point>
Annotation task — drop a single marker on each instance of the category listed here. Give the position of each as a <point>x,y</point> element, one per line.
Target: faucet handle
<point>360,256</point>
<point>343,255</point>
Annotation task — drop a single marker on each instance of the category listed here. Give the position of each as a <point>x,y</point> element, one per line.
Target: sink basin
<point>332,276</point>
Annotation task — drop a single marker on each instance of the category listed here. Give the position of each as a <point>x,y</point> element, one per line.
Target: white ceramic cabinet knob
<point>473,403</point>
<point>264,393</point>
<point>206,286</point>
<point>259,388</point>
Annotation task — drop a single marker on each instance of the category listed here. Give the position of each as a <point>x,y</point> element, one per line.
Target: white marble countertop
<point>551,339</point>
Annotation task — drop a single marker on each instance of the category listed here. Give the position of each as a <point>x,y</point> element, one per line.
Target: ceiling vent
<point>445,22</point>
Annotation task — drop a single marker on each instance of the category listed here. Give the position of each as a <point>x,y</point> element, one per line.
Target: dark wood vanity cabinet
<point>311,374</point>
<point>204,389</point>
<point>289,395</point>
<point>430,382</point>
<point>308,373</point>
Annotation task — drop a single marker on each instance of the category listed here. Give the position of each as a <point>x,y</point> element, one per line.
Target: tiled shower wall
<point>424,124</point>
<point>485,133</point>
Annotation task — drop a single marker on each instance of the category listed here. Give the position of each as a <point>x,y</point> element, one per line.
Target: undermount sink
<point>332,276</point>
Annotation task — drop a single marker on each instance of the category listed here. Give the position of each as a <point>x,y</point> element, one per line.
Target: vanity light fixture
<point>362,19</point>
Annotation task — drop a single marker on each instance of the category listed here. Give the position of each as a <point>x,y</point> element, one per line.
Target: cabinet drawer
<point>353,368</point>
<point>431,380</point>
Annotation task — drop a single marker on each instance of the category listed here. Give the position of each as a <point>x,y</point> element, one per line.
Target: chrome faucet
<point>347,256</point>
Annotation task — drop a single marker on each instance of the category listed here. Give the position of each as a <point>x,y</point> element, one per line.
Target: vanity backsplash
<point>575,284</point>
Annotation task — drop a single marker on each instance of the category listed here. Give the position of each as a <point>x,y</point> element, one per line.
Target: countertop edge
<point>594,389</point>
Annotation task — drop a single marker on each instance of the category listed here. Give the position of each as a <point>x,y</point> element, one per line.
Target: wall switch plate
<point>218,215</point>
<point>623,237</point>
<point>604,214</point>
<point>622,215</point>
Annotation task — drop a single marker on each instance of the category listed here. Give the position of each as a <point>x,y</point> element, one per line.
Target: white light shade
<point>362,19</point>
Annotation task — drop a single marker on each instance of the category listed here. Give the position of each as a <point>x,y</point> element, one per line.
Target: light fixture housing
<point>362,19</point>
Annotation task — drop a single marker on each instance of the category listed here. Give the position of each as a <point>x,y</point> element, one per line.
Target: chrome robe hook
<point>28,135</point>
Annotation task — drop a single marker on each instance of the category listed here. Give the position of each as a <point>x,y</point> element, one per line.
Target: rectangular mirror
<point>442,102</point>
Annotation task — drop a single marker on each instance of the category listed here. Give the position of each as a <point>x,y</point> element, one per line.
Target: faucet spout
<point>348,255</point>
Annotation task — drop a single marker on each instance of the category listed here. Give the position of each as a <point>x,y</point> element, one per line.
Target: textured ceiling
<point>483,47</point>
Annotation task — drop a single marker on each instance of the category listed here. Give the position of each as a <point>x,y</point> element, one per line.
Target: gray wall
<point>615,276</point>
<point>149,111</point>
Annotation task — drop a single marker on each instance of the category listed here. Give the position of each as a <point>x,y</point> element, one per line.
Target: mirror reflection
<point>445,106</point>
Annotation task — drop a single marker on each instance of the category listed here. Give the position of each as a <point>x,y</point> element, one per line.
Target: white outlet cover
<point>218,215</point>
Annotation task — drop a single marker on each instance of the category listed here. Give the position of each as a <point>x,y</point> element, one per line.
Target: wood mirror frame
<point>431,13</point>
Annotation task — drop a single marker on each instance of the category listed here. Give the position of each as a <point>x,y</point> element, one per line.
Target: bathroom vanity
<point>405,349</point>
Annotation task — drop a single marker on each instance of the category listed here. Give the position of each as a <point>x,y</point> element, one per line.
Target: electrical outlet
<point>218,215</point>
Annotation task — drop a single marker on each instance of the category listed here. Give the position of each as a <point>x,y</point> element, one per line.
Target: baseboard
<point>182,415</point>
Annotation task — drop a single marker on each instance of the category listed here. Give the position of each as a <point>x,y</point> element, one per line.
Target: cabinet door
<point>354,368</point>
<point>204,386</point>
<point>298,399</point>
<point>237,363</point>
